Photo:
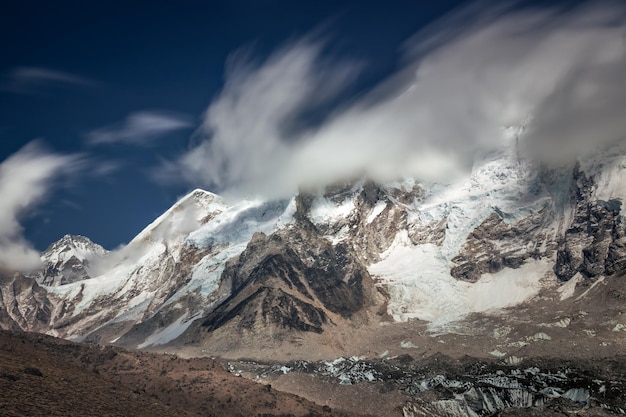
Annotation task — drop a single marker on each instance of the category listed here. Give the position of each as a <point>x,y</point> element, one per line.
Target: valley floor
<point>44,376</point>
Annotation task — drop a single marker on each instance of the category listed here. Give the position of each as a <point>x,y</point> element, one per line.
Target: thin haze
<point>27,80</point>
<point>466,78</point>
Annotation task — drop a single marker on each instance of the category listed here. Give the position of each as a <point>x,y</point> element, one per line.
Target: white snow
<point>609,172</point>
<point>598,281</point>
<point>538,336</point>
<point>182,218</point>
<point>169,333</point>
<point>497,353</point>
<point>232,229</point>
<point>508,287</point>
<point>619,327</point>
<point>420,284</point>
<point>568,289</point>
<point>417,276</point>
<point>135,267</point>
<point>239,222</point>
<point>69,246</point>
<point>325,210</point>
<point>500,182</point>
<point>376,210</point>
<point>90,289</point>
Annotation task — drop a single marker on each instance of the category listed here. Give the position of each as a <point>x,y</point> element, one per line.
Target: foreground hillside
<point>44,376</point>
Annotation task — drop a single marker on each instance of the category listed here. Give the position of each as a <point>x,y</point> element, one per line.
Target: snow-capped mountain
<point>68,260</point>
<point>355,255</point>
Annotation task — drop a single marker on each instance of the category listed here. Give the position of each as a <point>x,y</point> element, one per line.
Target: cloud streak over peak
<point>466,79</point>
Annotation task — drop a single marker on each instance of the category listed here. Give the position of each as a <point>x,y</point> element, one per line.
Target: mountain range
<point>516,260</point>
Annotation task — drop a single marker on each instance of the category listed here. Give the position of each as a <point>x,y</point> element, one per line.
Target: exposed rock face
<point>24,305</point>
<point>293,279</point>
<point>369,217</point>
<point>495,244</point>
<point>68,260</point>
<point>168,273</point>
<point>595,242</point>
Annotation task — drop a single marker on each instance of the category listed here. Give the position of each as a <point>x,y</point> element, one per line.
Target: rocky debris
<point>472,387</point>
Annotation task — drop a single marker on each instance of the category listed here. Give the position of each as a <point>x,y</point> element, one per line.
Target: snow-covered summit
<point>72,245</point>
<point>187,214</point>
<point>68,259</point>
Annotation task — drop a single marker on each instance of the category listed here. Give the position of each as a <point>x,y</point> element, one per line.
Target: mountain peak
<point>199,195</point>
<point>72,241</point>
<point>187,214</point>
<point>67,260</point>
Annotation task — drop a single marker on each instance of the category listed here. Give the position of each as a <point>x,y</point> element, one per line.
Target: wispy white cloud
<point>104,168</point>
<point>30,80</point>
<point>140,128</point>
<point>466,78</point>
<point>244,134</point>
<point>26,178</point>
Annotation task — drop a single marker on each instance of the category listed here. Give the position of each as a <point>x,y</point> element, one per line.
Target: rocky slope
<point>24,304</point>
<point>294,279</point>
<point>44,376</point>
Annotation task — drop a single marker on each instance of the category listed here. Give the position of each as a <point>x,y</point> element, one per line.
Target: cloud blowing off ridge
<point>466,78</point>
<point>25,179</point>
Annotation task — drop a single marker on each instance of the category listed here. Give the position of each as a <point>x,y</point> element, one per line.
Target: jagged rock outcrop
<point>496,244</point>
<point>363,215</point>
<point>293,279</point>
<point>594,244</point>
<point>24,305</point>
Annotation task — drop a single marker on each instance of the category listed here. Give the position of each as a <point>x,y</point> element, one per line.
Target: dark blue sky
<point>69,69</point>
<point>134,56</point>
